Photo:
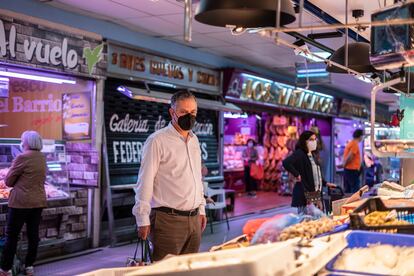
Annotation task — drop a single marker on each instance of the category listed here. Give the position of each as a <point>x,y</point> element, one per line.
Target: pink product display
<point>233,158</point>
<point>82,164</point>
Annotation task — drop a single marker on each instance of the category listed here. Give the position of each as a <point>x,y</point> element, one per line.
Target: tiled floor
<point>116,257</point>
<point>263,201</point>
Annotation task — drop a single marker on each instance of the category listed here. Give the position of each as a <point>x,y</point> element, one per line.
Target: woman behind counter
<point>27,177</point>
<point>305,168</point>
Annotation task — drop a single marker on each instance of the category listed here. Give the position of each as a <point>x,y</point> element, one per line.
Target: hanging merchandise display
<point>48,84</point>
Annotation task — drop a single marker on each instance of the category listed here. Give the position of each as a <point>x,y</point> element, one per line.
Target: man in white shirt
<point>169,200</point>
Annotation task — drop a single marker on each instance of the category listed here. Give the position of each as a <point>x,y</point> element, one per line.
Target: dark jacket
<point>27,177</point>
<point>298,163</point>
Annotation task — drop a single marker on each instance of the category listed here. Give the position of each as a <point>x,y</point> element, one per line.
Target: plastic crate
<point>376,204</point>
<point>358,239</point>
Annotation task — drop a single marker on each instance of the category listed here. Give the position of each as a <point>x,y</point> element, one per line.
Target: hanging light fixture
<point>358,58</point>
<point>244,13</point>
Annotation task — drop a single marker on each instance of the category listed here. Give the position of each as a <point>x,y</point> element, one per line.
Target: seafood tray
<point>364,239</point>
<point>402,221</point>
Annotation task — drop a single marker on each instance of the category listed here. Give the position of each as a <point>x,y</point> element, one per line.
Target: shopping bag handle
<point>145,250</point>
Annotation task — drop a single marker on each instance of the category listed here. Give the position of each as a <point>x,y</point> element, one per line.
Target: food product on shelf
<point>238,242</point>
<point>3,173</point>
<point>232,158</point>
<point>3,184</point>
<point>308,229</point>
<point>5,193</point>
<point>54,192</point>
<point>378,259</point>
<point>380,218</point>
<point>395,190</point>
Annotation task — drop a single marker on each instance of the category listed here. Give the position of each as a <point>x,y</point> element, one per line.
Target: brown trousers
<point>174,234</point>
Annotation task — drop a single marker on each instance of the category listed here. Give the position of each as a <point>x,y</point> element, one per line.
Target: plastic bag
<point>270,230</point>
<point>146,248</point>
<point>314,212</point>
<point>251,226</point>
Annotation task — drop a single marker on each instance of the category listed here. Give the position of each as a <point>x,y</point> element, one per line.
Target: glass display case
<point>233,157</point>
<point>56,184</point>
<point>389,167</point>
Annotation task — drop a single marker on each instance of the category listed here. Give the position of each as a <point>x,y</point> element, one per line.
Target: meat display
<point>51,190</point>
<point>279,140</point>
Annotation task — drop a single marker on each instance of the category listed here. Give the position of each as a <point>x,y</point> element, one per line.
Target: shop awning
<point>161,97</point>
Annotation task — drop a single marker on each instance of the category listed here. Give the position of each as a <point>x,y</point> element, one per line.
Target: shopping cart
<point>331,195</point>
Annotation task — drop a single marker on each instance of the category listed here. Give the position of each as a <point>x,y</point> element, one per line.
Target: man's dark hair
<point>358,133</point>
<point>181,95</point>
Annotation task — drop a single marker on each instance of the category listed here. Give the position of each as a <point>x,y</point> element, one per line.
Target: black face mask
<point>186,122</point>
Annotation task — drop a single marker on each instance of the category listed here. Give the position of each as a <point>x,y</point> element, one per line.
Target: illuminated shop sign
<point>30,44</point>
<point>160,70</point>
<point>251,88</point>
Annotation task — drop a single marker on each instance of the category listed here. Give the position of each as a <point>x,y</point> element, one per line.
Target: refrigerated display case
<point>390,166</point>
<point>57,182</point>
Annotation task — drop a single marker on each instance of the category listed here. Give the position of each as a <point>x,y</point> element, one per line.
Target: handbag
<point>256,171</point>
<point>314,198</point>
<point>146,259</point>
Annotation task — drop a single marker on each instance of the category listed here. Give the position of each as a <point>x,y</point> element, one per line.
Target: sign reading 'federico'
<point>159,69</point>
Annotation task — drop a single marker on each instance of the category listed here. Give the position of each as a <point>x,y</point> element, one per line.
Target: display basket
<point>376,204</point>
<point>359,239</point>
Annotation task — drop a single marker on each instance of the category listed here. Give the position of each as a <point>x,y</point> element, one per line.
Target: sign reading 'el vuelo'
<point>134,63</point>
<point>46,46</point>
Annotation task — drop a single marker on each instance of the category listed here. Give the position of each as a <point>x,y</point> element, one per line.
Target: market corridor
<point>116,257</point>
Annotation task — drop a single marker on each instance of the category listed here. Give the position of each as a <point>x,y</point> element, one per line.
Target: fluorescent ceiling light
<point>164,84</point>
<point>325,55</point>
<point>314,75</point>
<point>316,70</point>
<point>35,77</point>
<point>231,115</point>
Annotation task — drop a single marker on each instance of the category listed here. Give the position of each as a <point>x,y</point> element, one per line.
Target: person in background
<point>27,177</point>
<point>169,196</point>
<point>204,173</point>
<point>250,156</point>
<point>352,163</point>
<point>305,168</point>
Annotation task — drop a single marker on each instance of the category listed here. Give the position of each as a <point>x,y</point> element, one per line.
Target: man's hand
<point>203,222</point>
<point>331,185</point>
<point>298,179</point>
<point>143,232</point>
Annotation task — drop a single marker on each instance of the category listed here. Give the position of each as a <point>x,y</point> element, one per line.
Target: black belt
<point>172,211</point>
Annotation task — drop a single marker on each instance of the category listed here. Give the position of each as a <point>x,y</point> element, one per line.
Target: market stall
<point>274,116</point>
<point>137,100</point>
<point>52,89</point>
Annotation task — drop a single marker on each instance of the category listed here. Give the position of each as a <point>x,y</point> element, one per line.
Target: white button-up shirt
<point>170,174</point>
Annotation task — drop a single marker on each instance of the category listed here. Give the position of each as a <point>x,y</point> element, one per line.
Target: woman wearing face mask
<point>303,165</point>
<point>250,156</point>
